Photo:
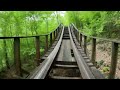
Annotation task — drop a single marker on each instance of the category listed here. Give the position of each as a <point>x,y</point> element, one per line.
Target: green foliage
<point>100,63</point>
<point>96,23</point>
<point>25,23</point>
<point>106,69</point>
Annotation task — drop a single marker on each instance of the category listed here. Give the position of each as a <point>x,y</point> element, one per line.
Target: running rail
<point>83,67</point>
<point>44,67</point>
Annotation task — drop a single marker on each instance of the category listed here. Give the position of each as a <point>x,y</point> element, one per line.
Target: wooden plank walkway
<point>65,51</point>
<point>64,68</point>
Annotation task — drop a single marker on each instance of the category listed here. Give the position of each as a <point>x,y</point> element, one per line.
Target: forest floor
<point>11,73</point>
<point>8,74</point>
<point>103,58</point>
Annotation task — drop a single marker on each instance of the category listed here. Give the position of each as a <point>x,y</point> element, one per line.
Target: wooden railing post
<point>17,56</point>
<point>93,56</point>
<point>50,39</point>
<point>56,32</point>
<point>37,50</point>
<point>58,29</point>
<point>75,33</point>
<point>85,39</point>
<point>78,36</point>
<point>113,60</point>
<point>54,35</point>
<point>73,29</point>
<point>80,39</point>
<point>46,47</point>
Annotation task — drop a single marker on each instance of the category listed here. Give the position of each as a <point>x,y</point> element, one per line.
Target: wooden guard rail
<point>114,55</point>
<point>17,60</point>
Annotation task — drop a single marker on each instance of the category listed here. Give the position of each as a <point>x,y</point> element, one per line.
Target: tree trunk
<point>5,53</point>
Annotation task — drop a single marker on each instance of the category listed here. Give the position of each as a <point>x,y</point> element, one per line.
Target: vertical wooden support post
<point>113,60</point>
<point>56,32</point>
<point>80,39</point>
<point>37,50</point>
<point>93,56</point>
<point>59,29</point>
<point>50,39</point>
<point>78,36</point>
<point>46,47</point>
<point>75,32</point>
<point>85,42</point>
<point>54,35</point>
<point>17,56</point>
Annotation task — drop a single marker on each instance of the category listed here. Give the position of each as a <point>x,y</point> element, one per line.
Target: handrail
<point>116,41</point>
<point>29,36</point>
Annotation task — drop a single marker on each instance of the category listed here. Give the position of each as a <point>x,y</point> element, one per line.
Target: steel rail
<point>46,64</point>
<point>83,67</point>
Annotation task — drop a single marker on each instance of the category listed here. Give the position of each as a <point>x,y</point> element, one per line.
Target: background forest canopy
<point>97,23</point>
<point>25,23</point>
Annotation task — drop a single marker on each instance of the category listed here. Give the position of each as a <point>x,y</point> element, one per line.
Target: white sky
<point>62,13</point>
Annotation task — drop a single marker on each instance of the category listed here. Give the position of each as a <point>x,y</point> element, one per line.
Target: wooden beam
<point>66,62</point>
<point>85,43</point>
<point>17,56</point>
<point>54,35</point>
<point>37,50</point>
<point>46,47</point>
<point>51,39</point>
<point>113,60</point>
<point>80,39</point>
<point>78,36</point>
<point>56,32</point>
<point>66,66</point>
<point>93,57</point>
<point>61,77</point>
